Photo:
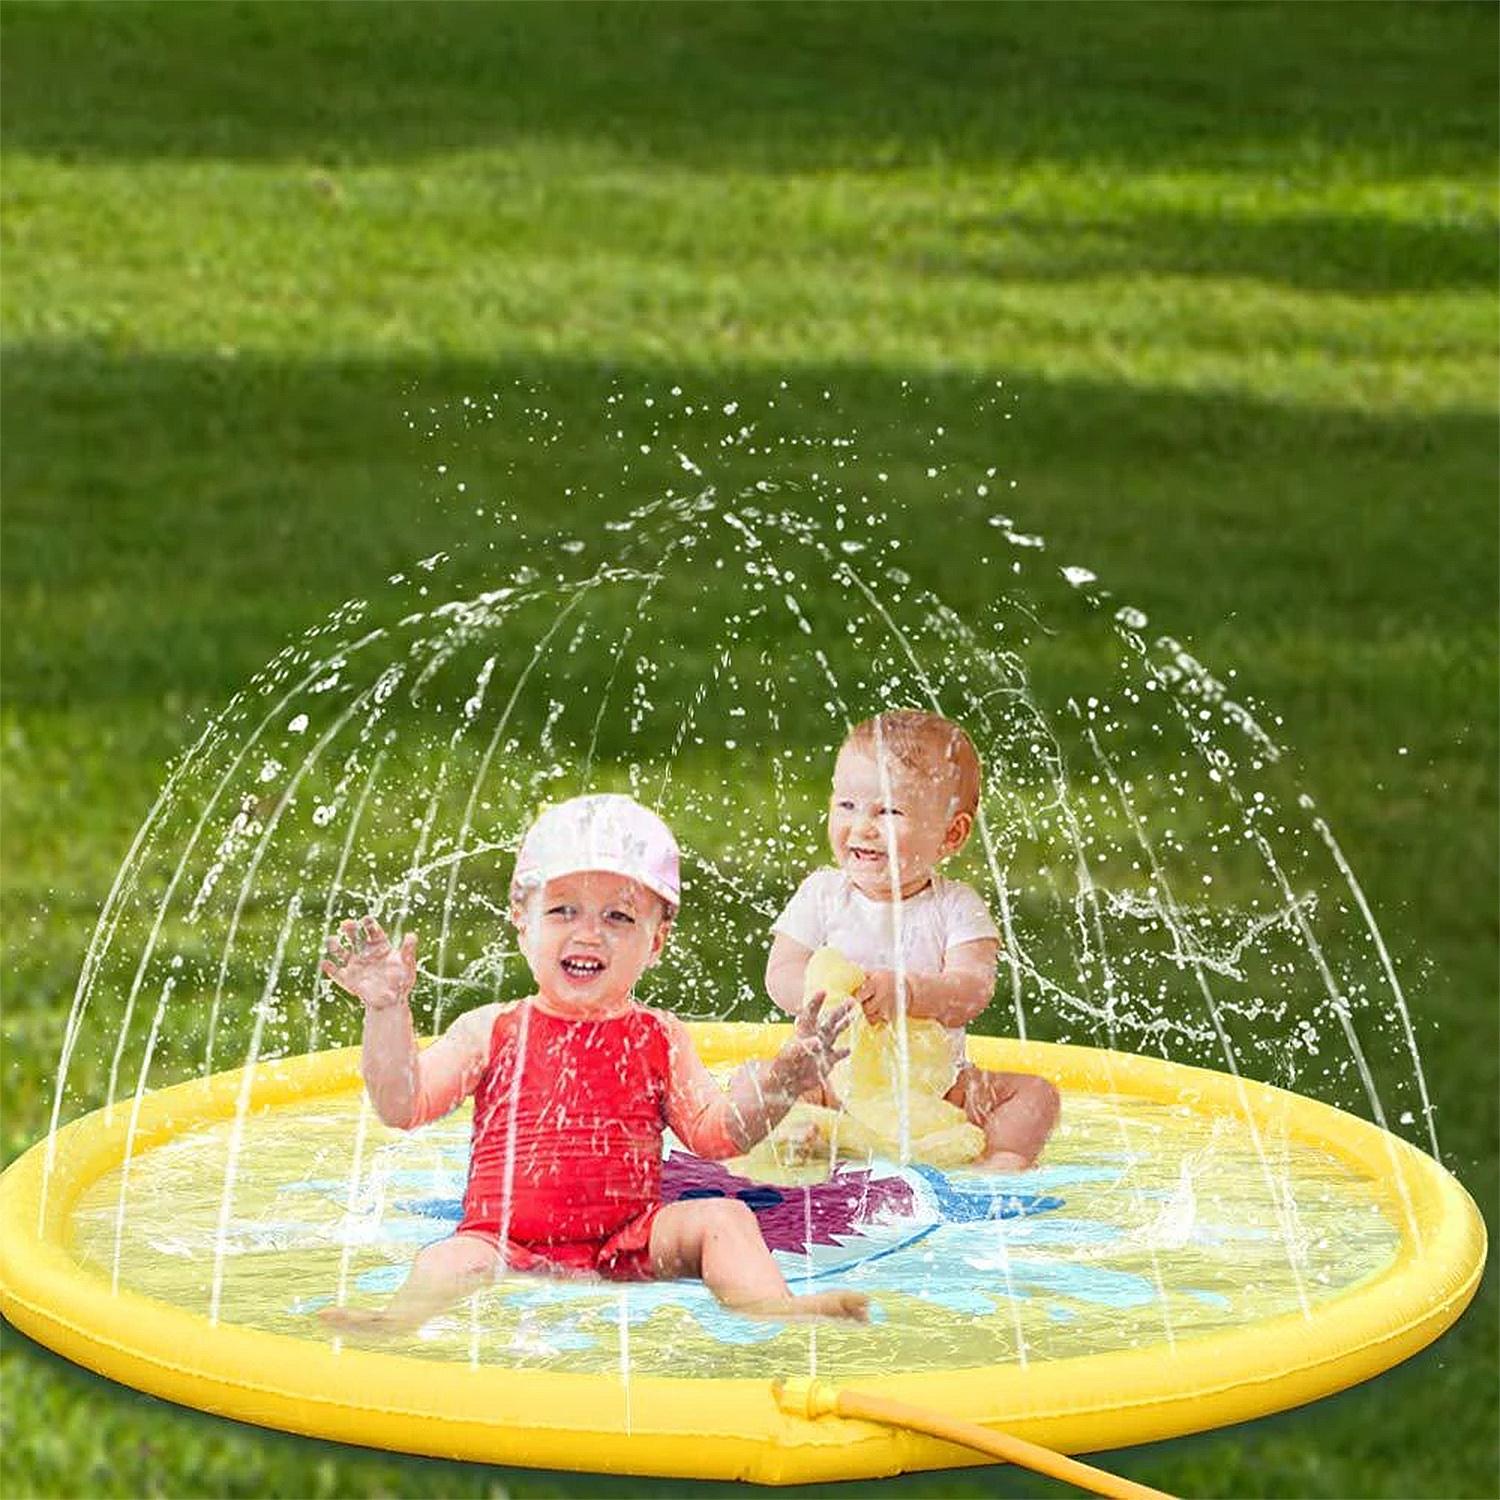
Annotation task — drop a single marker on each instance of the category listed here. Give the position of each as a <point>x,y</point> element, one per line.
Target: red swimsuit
<point>584,1103</point>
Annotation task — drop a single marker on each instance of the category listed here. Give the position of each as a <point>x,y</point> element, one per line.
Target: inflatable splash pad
<point>1196,1249</point>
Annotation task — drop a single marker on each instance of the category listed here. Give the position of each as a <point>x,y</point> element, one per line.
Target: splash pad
<point>1136,1288</point>
<point>1198,1247</point>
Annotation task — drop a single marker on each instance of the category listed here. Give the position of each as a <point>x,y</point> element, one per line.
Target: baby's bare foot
<point>853,1306</point>
<point>1002,1161</point>
<point>362,1320</point>
<point>836,1304</point>
<point>800,1143</point>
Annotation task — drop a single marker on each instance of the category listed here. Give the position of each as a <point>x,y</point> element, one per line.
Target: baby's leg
<point>718,1240</point>
<point>1016,1111</point>
<point>440,1275</point>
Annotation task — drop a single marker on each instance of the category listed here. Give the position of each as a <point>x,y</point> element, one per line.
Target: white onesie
<point>828,911</point>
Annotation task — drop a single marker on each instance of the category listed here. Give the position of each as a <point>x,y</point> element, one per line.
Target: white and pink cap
<point>605,831</point>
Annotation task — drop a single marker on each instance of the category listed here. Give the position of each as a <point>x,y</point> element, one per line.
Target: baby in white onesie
<point>905,793</point>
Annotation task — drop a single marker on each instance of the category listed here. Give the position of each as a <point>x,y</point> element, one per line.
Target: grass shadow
<point>170,522</point>
<point>778,87</point>
<point>1349,254</point>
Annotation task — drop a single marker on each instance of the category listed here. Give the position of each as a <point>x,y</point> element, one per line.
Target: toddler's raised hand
<point>362,962</point>
<point>811,1054</point>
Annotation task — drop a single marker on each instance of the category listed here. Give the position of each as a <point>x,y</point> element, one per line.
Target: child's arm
<point>786,967</point>
<point>715,1122</point>
<point>954,995</point>
<point>407,1086</point>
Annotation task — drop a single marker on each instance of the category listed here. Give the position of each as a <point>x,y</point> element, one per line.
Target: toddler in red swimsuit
<point>573,1086</point>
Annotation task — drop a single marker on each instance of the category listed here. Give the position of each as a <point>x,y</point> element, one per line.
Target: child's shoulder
<point>813,903</point>
<point>669,1030</point>
<point>962,906</point>
<point>674,1026</point>
<point>478,1024</point>
<point>826,883</point>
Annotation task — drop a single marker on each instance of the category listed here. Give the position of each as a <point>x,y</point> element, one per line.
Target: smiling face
<point>908,815</point>
<point>588,938</point>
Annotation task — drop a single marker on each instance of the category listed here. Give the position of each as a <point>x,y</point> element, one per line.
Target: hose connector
<point>810,1398</point>
<point>805,1396</point>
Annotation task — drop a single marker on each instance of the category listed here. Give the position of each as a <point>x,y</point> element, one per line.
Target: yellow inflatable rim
<point>735,1429</point>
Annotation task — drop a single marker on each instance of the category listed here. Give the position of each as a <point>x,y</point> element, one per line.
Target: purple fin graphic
<point>833,1210</point>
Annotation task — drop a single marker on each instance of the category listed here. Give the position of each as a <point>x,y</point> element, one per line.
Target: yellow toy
<point>873,1084</point>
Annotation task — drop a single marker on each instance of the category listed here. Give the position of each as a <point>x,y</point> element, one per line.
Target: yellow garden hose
<point>803,1397</point>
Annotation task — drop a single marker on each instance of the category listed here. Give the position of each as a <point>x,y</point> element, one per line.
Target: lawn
<point>1235,265</point>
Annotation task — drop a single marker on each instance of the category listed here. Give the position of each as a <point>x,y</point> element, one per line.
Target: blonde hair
<point>926,743</point>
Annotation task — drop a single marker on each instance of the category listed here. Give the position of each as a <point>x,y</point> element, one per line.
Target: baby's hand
<point>877,996</point>
<point>811,1054</point>
<point>362,962</point>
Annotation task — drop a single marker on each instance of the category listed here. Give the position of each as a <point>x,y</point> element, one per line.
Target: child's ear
<point>659,941</point>
<point>958,833</point>
<point>518,921</point>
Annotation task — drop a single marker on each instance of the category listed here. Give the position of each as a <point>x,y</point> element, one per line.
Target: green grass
<point>1236,265</point>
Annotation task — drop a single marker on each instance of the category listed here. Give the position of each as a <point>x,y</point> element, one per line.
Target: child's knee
<point>469,1259</point>
<point>1041,1097</point>
<point>985,1094</point>
<point>729,1217</point>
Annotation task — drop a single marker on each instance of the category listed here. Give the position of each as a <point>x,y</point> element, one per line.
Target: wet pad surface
<point>1146,1225</point>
